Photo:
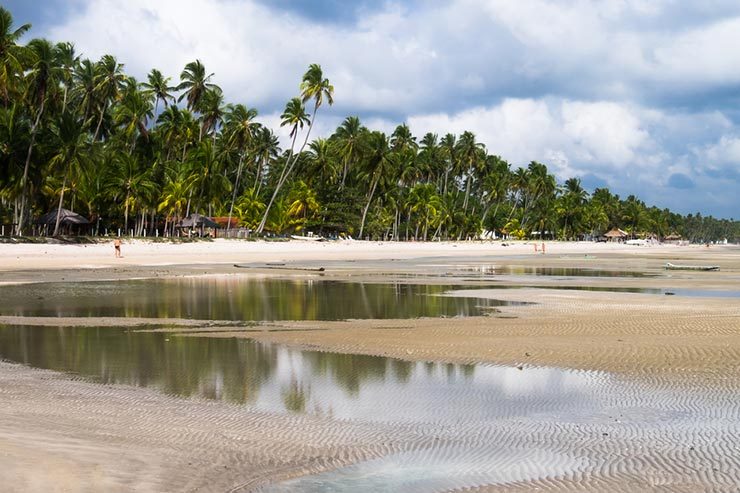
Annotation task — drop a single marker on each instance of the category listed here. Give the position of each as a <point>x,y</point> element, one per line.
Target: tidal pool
<point>237,298</point>
<point>475,424</point>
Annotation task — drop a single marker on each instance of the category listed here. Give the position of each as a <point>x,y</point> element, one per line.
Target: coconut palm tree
<point>195,83</point>
<point>158,86</point>
<point>212,111</point>
<point>133,114</point>
<point>349,139</point>
<point>377,166</point>
<point>12,55</point>
<point>109,82</point>
<point>130,180</point>
<point>471,156</point>
<point>71,152</point>
<point>265,148</point>
<point>296,118</point>
<point>425,202</point>
<point>41,82</point>
<point>240,127</point>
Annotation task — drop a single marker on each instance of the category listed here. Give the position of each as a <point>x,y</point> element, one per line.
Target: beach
<point>671,334</point>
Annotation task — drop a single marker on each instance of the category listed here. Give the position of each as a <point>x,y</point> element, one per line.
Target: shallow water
<point>237,298</point>
<point>476,424</point>
<point>276,378</point>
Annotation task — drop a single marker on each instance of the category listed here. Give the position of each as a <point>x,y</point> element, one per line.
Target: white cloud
<point>569,135</point>
<point>580,85</point>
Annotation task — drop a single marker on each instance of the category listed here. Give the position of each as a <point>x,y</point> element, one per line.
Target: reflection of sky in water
<point>428,392</point>
<point>465,407</point>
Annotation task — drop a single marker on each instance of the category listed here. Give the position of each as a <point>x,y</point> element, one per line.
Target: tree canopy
<point>84,135</point>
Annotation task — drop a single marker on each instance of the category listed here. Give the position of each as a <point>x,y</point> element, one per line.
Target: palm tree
<point>449,152</point>
<point>296,117</point>
<point>302,202</point>
<point>377,166</point>
<point>133,115</point>
<point>265,148</point>
<point>425,202</point>
<point>128,178</point>
<point>313,86</point>
<point>71,150</point>
<point>212,111</point>
<point>158,86</point>
<point>250,208</point>
<point>471,156</point>
<point>240,128</point>
<point>195,83</point>
<point>109,82</point>
<point>42,80</point>
<point>11,54</point>
<point>68,60</point>
<point>349,138</point>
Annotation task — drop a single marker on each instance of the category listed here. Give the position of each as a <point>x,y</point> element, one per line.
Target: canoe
<point>307,238</point>
<point>670,266</point>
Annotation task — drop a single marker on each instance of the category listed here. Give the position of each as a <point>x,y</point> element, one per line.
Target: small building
<point>69,222</point>
<point>199,225</point>
<point>673,239</point>
<point>616,235</point>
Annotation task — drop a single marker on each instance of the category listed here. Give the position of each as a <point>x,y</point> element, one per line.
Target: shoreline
<point>62,433</point>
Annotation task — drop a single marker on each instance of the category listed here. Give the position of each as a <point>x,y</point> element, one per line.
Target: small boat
<point>307,238</point>
<point>670,266</point>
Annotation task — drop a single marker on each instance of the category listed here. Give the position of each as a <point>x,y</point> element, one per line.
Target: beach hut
<point>200,223</point>
<point>69,221</point>
<point>616,234</point>
<point>673,239</point>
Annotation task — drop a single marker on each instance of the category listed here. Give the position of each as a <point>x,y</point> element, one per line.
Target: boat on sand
<point>670,266</point>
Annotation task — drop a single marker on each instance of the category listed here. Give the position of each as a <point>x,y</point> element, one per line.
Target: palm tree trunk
<point>100,121</point>
<point>233,194</point>
<point>24,180</point>
<point>367,206</point>
<point>61,201</point>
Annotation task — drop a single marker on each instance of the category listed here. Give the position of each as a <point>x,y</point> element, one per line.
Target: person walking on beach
<point>117,247</point>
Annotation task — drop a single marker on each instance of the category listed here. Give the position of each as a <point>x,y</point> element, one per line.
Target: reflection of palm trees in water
<point>295,395</point>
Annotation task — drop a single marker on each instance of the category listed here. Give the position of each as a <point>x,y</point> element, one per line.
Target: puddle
<point>232,298</point>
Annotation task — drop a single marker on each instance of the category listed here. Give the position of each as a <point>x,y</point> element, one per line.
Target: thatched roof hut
<point>616,234</point>
<point>198,221</point>
<point>66,218</point>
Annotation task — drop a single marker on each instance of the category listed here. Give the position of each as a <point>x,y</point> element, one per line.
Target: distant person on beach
<point>117,247</point>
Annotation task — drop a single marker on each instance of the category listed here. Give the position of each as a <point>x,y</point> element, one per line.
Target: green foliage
<point>85,135</point>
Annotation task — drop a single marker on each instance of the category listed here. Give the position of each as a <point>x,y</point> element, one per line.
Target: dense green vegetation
<point>141,155</point>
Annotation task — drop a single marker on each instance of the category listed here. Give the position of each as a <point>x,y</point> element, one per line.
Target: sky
<point>642,96</point>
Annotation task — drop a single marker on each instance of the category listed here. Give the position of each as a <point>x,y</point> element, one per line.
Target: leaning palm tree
<point>296,118</point>
<point>313,86</point>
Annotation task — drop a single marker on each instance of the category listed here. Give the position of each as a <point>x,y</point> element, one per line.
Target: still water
<point>276,378</point>
<point>486,417</point>
<point>237,298</point>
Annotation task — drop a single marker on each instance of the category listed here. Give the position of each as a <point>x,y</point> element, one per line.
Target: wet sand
<point>62,434</point>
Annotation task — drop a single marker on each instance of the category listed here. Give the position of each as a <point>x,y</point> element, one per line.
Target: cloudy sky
<point>642,96</point>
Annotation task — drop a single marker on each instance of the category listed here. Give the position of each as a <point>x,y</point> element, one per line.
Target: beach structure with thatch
<point>69,222</point>
<point>200,224</point>
<point>616,234</point>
